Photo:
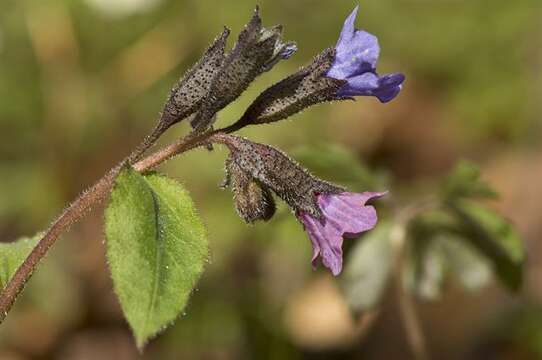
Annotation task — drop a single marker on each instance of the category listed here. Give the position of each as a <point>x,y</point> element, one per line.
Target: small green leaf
<point>465,182</point>
<point>12,256</point>
<point>156,248</point>
<point>368,268</point>
<point>496,238</point>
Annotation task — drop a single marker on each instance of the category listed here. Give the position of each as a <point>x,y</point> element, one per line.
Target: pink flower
<point>343,215</point>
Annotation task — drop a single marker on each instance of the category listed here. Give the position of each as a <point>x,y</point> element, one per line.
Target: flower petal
<point>364,84</point>
<point>345,215</point>
<point>326,243</point>
<point>385,88</point>
<point>389,86</point>
<point>348,213</point>
<point>391,80</point>
<point>347,32</point>
<point>386,95</point>
<point>357,51</point>
<point>366,196</point>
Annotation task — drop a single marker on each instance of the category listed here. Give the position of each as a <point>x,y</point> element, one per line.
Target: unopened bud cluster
<point>220,78</point>
<point>272,169</point>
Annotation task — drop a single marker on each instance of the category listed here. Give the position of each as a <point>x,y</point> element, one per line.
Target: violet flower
<point>356,55</point>
<point>345,215</point>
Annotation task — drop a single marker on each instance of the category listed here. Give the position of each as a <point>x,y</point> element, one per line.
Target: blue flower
<point>356,55</point>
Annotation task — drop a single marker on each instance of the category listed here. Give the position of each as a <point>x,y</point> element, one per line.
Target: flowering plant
<point>156,242</point>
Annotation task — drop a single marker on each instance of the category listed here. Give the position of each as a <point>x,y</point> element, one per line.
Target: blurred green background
<point>82,81</point>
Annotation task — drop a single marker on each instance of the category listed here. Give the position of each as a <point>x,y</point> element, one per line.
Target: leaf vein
<point>158,259</point>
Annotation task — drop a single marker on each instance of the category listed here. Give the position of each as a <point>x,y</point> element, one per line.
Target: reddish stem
<point>90,197</point>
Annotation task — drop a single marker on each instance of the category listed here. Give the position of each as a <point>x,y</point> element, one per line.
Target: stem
<point>234,127</point>
<point>69,216</point>
<point>366,322</point>
<point>407,307</point>
<point>92,196</point>
<point>185,144</point>
<point>413,328</point>
<point>147,143</point>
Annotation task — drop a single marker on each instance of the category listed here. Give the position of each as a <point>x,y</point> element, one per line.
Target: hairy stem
<point>185,144</point>
<point>90,197</point>
<point>147,143</point>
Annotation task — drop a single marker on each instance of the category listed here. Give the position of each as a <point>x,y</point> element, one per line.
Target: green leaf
<point>156,248</point>
<point>436,251</point>
<point>425,265</point>
<point>12,256</point>
<point>465,263</point>
<point>444,256</point>
<point>425,268</point>
<point>465,182</point>
<point>339,164</point>
<point>368,268</point>
<point>494,237</point>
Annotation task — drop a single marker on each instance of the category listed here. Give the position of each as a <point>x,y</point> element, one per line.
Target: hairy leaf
<point>12,256</point>
<point>156,247</point>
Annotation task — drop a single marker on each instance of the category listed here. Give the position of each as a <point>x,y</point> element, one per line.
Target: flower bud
<point>253,200</point>
<point>256,51</point>
<point>276,171</point>
<point>188,94</point>
<point>307,87</point>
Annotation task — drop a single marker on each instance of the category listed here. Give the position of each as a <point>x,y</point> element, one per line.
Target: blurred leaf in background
<point>12,255</point>
<point>369,267</point>
<point>336,163</point>
<point>496,238</point>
